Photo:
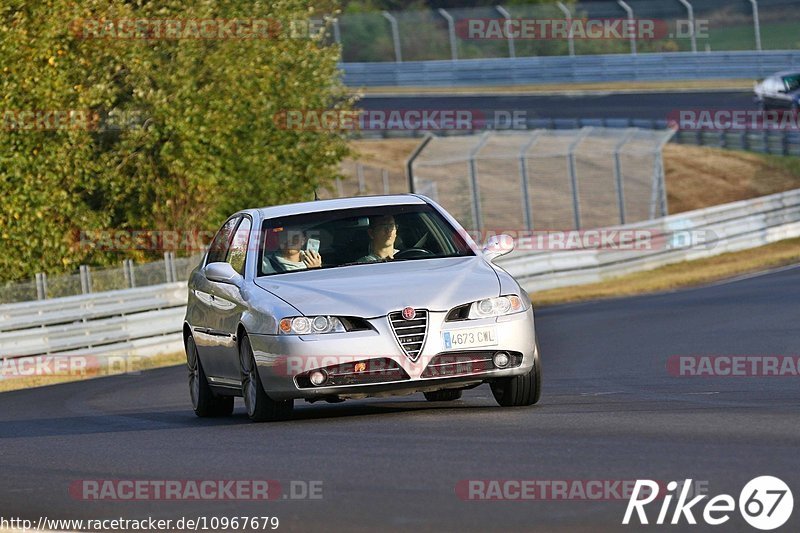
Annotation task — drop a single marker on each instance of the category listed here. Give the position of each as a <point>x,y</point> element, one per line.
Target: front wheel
<point>260,407</point>
<point>204,402</point>
<point>518,391</point>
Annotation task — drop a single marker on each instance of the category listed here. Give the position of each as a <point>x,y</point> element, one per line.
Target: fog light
<point>501,359</point>
<point>318,377</point>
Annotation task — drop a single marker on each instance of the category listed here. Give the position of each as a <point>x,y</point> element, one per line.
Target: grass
<point>134,364</point>
<point>679,275</point>
<point>560,88</point>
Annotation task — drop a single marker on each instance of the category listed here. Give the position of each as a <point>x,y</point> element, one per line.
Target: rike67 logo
<point>765,503</point>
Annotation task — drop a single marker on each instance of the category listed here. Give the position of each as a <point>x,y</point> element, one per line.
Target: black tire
<point>204,402</point>
<point>519,391</point>
<point>260,407</point>
<point>446,395</point>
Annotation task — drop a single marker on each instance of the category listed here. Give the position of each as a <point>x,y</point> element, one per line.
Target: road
<point>645,105</point>
<point>610,411</point>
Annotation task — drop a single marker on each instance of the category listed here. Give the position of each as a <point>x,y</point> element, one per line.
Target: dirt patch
<point>698,176</point>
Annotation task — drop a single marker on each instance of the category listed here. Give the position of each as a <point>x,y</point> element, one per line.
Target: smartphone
<point>312,245</point>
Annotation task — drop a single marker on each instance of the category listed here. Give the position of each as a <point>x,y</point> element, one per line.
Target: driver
<point>382,234</point>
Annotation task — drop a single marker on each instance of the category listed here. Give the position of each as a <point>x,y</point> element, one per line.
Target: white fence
<point>148,320</point>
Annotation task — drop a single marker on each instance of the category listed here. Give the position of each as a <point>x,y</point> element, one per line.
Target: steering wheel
<point>413,252</point>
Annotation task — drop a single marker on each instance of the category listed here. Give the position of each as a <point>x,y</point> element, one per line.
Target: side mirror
<point>497,246</point>
<point>222,273</point>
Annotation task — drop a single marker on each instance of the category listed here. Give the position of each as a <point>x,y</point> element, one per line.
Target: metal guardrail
<point>116,322</point>
<point>567,69</point>
<point>727,228</point>
<point>107,322</point>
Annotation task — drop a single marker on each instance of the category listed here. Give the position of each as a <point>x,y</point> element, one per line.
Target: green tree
<point>195,136</point>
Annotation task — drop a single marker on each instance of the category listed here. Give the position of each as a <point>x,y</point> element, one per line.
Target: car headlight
<point>502,305</point>
<point>489,307</point>
<point>311,325</point>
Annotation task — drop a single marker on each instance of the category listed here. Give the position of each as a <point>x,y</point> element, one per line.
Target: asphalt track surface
<point>643,105</point>
<point>610,411</point>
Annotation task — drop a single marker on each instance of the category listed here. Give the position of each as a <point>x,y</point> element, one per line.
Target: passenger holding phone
<point>295,252</point>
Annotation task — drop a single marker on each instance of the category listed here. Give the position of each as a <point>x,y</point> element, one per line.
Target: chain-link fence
<point>88,280</point>
<point>561,28</point>
<point>547,179</point>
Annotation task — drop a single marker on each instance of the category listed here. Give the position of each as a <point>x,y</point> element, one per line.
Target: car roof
<point>337,203</point>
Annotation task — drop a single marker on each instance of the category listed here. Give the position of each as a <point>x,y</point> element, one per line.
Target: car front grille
<point>410,333</point>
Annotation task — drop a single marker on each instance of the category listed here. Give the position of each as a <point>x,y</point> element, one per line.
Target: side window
<point>222,240</point>
<point>238,252</point>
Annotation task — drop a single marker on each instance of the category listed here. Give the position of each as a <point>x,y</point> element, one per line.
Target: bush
<point>186,132</point>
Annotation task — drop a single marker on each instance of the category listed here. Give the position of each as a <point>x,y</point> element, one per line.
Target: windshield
<point>792,82</point>
<point>333,239</point>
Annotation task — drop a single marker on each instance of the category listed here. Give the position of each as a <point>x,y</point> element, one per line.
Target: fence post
<point>618,173</point>
<point>473,179</point>
<point>570,37</point>
<point>410,161</point>
<point>690,14</point>
<point>506,15</point>
<point>451,30</point>
<point>360,174</point>
<point>337,34</point>
<point>756,24</point>
<point>573,176</point>
<point>659,185</point>
<point>385,177</point>
<point>167,267</point>
<point>339,187</point>
<point>41,286</point>
<point>398,55</point>
<point>631,24</point>
<point>523,171</point>
<point>130,277</point>
<point>86,279</point>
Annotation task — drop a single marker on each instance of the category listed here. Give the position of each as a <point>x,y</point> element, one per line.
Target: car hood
<point>376,289</point>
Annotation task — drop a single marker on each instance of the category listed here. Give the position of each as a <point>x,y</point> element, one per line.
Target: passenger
<point>382,234</point>
<point>290,254</point>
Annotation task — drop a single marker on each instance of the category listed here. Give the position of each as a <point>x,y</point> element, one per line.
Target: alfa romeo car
<point>354,298</point>
<point>779,91</point>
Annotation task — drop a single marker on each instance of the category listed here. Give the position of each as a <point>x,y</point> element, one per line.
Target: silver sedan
<point>354,298</point>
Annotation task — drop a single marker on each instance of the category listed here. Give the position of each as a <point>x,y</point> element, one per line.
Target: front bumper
<point>282,359</point>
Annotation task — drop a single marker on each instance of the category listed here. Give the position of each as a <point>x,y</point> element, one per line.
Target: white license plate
<point>469,337</point>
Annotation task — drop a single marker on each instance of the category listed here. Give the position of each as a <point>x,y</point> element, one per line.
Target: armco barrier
<point>565,69</point>
<point>731,227</point>
<point>137,321</point>
<point>148,321</point>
